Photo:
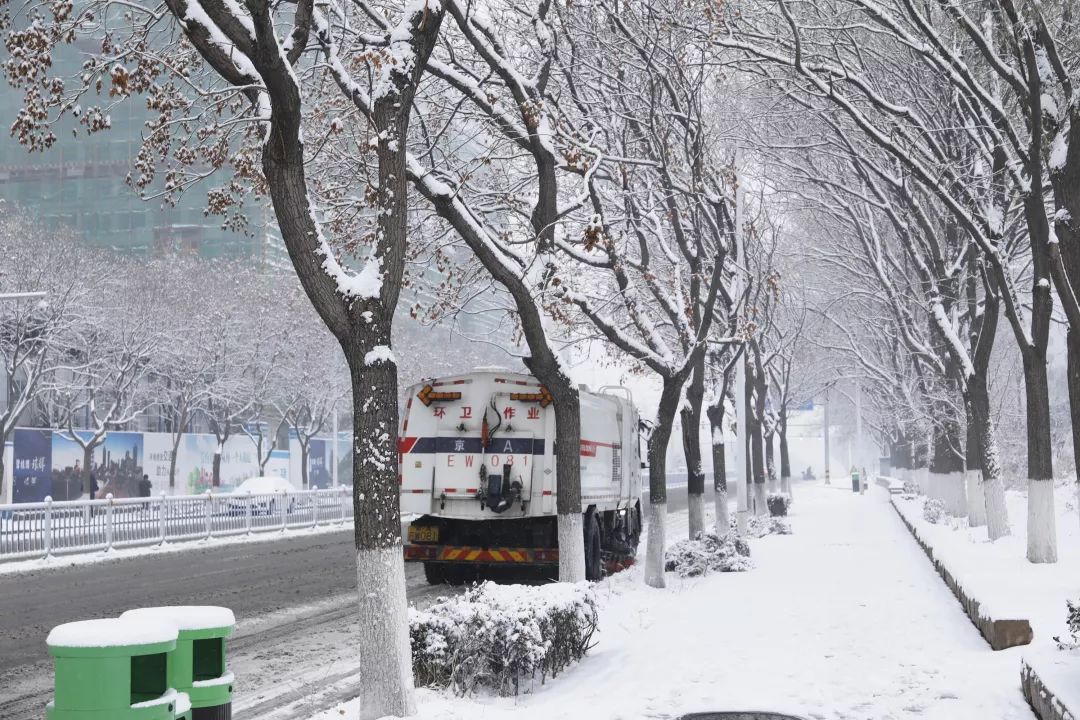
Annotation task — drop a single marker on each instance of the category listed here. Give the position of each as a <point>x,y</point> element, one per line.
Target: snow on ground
<point>845,618</point>
<point>999,575</point>
<point>1007,585</point>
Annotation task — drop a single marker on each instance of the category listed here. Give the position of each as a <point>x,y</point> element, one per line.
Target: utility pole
<point>741,455</point>
<point>826,434</point>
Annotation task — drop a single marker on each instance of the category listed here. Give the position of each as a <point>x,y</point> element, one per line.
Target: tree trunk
<point>757,449</point>
<point>947,462</point>
<point>264,459</point>
<point>976,501</point>
<point>770,461</point>
<point>658,444</point>
<point>690,415</point>
<point>785,456</point>
<point>919,452</point>
<point>360,322</point>
<point>172,459</point>
<point>719,458</point>
<point>215,480</point>
<point>571,525</point>
<point>385,672</point>
<point>993,491</point>
<point>1066,183</point>
<point>178,434</point>
<point>304,464</point>
<point>1042,530</point>
<point>88,459</point>
<point>1073,373</point>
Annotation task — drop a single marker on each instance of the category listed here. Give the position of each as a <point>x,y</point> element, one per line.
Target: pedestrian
<point>93,487</point>
<point>145,486</point>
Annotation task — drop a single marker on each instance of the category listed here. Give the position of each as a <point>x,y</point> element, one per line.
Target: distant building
<point>80,183</point>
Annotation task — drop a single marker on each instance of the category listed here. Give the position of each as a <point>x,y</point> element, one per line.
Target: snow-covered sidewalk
<point>845,618</point>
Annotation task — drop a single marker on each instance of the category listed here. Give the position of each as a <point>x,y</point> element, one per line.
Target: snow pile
<point>933,510</point>
<point>496,636</point>
<point>778,504</point>
<point>708,553</point>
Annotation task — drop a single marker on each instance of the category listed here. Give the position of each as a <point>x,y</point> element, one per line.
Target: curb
<point>1046,705</point>
<point>999,633</point>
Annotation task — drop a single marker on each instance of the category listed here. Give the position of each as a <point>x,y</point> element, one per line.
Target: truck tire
<point>434,573</point>
<point>593,564</point>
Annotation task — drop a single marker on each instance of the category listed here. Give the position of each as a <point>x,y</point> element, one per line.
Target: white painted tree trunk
<point>760,506</point>
<point>1042,524</point>
<point>932,486</point>
<point>921,476</point>
<point>997,515</point>
<point>976,502</point>
<point>654,548</point>
<point>723,520</point>
<point>785,485</point>
<point>772,484</point>
<point>571,548</point>
<point>696,505</point>
<point>384,671</point>
<point>955,493</point>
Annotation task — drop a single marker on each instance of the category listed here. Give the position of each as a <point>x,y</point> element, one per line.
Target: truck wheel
<point>434,573</point>
<point>593,568</point>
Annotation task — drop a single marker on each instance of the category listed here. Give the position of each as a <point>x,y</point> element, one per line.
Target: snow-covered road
<point>844,619</point>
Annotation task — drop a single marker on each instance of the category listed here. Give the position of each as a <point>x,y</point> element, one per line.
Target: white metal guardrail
<point>37,530</point>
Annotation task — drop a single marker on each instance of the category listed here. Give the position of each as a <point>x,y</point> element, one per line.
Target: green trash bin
<point>114,669</point>
<point>856,482</point>
<point>198,665</point>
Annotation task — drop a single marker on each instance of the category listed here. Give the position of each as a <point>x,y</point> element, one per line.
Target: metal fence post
<point>48,525</point>
<point>247,513</point>
<point>161,519</point>
<point>207,505</point>
<point>109,522</point>
<point>315,510</point>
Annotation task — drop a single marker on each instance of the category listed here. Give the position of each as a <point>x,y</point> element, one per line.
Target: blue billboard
<point>31,473</point>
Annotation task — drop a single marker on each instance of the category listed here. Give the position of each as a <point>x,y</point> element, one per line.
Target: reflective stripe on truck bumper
<point>452,553</point>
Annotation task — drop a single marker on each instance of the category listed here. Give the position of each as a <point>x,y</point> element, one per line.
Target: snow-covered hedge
<point>911,487</point>
<point>708,553</point>
<point>499,636</point>
<point>933,510</point>
<point>778,504</point>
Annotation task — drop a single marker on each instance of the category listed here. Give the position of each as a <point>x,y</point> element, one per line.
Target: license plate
<point>423,534</point>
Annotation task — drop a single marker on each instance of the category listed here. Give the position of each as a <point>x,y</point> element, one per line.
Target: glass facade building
<point>80,183</point>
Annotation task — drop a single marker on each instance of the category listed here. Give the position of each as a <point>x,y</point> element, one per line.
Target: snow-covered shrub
<point>778,504</point>
<point>1072,618</point>
<point>758,527</point>
<point>708,553</point>
<point>497,636</point>
<point>911,487</point>
<point>933,510</point>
